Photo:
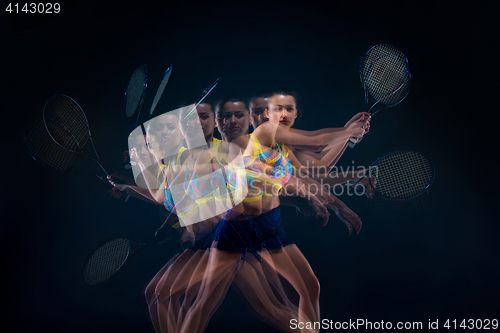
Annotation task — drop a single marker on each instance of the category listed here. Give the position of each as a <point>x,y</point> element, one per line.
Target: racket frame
<point>363,79</point>
<point>159,91</point>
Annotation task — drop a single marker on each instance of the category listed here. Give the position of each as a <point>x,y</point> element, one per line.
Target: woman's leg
<point>179,287</point>
<point>253,282</point>
<point>149,293</point>
<point>219,274</point>
<point>193,285</point>
<point>163,293</point>
<point>291,264</point>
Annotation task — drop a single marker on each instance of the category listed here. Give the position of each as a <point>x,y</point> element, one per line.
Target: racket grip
<point>352,142</point>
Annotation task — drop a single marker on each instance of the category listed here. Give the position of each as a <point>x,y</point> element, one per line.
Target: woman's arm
<point>326,160</point>
<point>323,196</point>
<point>151,185</point>
<point>332,138</point>
<point>136,192</point>
<point>296,187</point>
<point>323,163</point>
<point>342,177</point>
<point>357,117</point>
<point>147,180</point>
<point>346,215</point>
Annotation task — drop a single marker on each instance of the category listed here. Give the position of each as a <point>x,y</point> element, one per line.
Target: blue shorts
<point>254,234</point>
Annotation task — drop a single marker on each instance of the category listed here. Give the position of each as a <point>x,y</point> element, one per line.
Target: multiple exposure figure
<point>225,196</point>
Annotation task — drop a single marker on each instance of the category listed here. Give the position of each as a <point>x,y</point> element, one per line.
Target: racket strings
<point>66,122</point>
<point>106,261</point>
<point>378,51</point>
<point>134,95</point>
<point>387,80</point>
<point>402,174</point>
<point>43,149</point>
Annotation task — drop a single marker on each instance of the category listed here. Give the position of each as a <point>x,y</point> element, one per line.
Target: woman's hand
<point>369,189</point>
<point>320,209</point>
<point>357,117</point>
<point>346,215</point>
<point>118,178</point>
<point>360,126</point>
<point>115,193</point>
<point>126,156</point>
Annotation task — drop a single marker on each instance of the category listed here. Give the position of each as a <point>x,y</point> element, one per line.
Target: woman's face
<point>166,131</point>
<point>258,107</point>
<point>282,109</point>
<point>192,131</point>
<point>141,150</point>
<point>207,119</point>
<point>233,120</point>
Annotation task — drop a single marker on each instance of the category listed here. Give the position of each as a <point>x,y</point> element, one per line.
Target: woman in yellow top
<point>252,230</point>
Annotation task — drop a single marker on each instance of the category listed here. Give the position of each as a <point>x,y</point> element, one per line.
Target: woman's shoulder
<point>265,134</point>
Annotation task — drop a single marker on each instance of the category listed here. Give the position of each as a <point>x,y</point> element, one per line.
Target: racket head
<point>44,150</point>
<point>135,91</point>
<point>104,262</point>
<point>385,75</point>
<point>161,88</point>
<point>376,52</point>
<point>66,123</point>
<point>401,174</point>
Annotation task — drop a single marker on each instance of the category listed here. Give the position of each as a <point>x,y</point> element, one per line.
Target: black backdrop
<point>438,260</point>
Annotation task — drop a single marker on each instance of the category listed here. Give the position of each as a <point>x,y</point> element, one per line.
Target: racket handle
<point>352,142</point>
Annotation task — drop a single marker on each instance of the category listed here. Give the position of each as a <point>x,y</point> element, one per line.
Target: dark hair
<point>232,99</point>
<point>260,94</point>
<point>287,92</point>
<point>210,103</point>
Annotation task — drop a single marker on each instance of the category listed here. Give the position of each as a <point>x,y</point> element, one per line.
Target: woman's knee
<point>313,287</point>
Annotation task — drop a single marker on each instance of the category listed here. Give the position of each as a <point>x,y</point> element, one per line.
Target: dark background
<point>435,259</point>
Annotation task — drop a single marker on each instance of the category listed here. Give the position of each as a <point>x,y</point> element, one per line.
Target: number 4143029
<point>33,8</point>
<point>475,324</point>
